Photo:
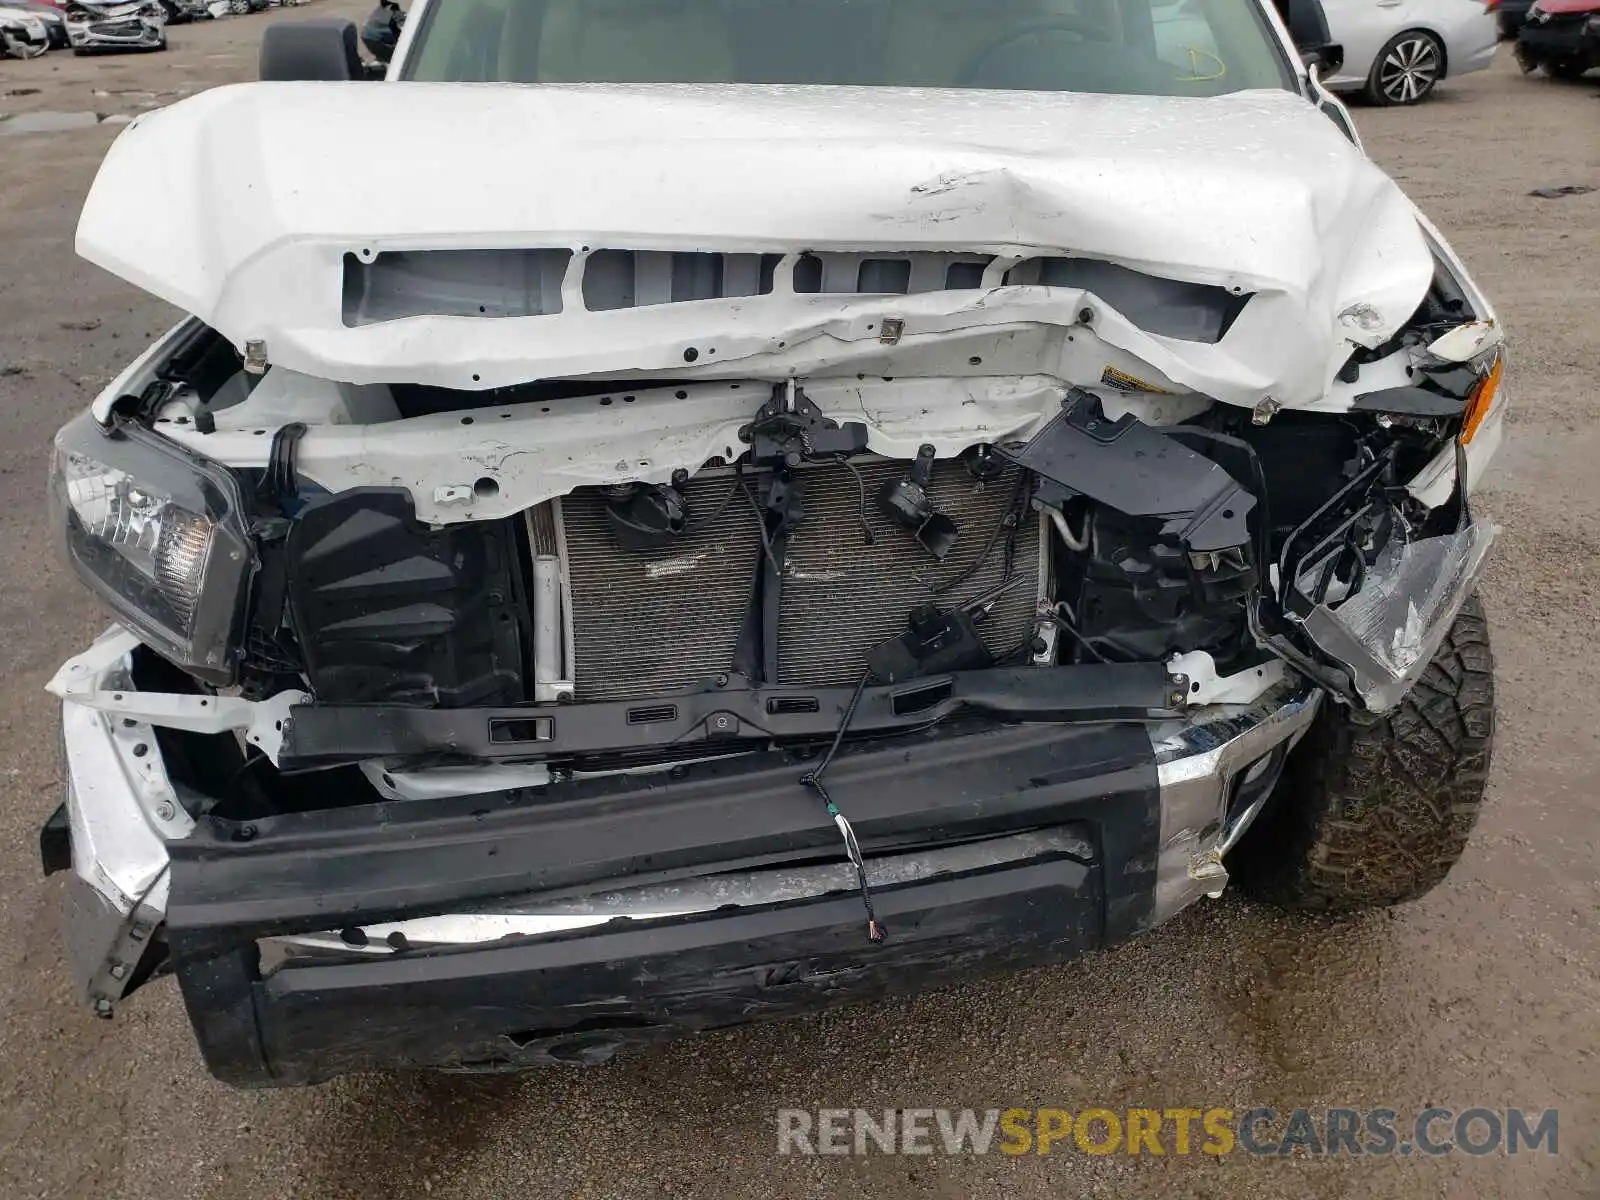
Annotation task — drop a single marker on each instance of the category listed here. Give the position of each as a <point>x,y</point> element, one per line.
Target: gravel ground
<point>1483,993</point>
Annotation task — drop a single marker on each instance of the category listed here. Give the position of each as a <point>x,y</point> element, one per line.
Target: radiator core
<point>668,620</point>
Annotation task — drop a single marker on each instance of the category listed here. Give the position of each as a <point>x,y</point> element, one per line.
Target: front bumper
<point>25,39</point>
<point>1560,39</point>
<point>564,923</point>
<point>117,33</point>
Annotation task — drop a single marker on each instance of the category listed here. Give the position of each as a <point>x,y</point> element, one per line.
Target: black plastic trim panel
<point>320,735</point>
<point>389,610</point>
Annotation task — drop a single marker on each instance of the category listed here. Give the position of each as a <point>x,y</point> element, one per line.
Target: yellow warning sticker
<point>1123,382</point>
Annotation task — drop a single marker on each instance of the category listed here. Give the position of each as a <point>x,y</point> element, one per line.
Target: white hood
<point>249,198</point>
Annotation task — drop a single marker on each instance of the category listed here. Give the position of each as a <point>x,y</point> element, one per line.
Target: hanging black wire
<point>876,932</point>
<point>861,498</point>
<point>761,521</point>
<point>1010,521</point>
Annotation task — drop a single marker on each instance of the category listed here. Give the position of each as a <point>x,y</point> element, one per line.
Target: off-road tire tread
<point>1374,811</point>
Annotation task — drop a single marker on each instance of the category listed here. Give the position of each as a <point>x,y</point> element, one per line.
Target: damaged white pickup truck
<point>747,503</point>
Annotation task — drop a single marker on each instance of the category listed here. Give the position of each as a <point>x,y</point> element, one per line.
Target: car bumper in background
<point>123,33</point>
<point>24,39</point>
<point>1474,44</point>
<point>1558,40</point>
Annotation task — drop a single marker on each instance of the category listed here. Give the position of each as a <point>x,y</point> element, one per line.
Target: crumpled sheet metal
<point>1388,632</point>
<point>1255,192</point>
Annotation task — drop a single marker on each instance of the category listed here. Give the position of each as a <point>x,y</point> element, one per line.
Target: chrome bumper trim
<point>663,901</point>
<point>121,812</point>
<point>1197,762</point>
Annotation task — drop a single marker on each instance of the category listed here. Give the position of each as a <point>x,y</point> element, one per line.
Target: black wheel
<point>1565,68</point>
<point>1373,811</point>
<point>1406,69</point>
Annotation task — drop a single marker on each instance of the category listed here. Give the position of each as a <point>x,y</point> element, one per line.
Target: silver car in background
<point>1396,51</point>
<point>95,26</point>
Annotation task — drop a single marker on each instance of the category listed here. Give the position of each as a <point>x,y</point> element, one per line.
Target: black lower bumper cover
<point>1566,41</point>
<point>581,997</point>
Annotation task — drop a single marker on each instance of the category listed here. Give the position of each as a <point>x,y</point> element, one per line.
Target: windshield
<point>1130,47</point>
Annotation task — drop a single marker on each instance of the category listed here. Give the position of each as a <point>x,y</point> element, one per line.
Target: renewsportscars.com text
<point>1376,1132</point>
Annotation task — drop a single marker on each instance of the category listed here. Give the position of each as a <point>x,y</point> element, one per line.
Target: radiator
<point>668,620</point>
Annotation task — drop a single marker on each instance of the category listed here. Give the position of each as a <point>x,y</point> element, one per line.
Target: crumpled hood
<point>250,197</point>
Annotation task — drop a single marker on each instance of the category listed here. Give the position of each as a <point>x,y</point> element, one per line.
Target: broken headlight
<point>157,533</point>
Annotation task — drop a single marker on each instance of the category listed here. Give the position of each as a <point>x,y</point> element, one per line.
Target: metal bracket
<point>790,429</point>
<point>1205,686</point>
<point>86,680</point>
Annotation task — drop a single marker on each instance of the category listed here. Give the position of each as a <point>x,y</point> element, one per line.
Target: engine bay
<point>870,555</point>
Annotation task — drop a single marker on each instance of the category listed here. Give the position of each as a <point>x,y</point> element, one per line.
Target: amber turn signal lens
<point>1482,401</point>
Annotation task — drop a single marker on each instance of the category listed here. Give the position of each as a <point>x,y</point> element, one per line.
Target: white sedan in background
<point>23,34</point>
<point>1395,51</point>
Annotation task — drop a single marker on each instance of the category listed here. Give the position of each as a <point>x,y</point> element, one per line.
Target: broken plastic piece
<point>1387,633</point>
<point>1139,471</point>
<point>1408,400</point>
<point>1465,342</point>
<point>934,644</point>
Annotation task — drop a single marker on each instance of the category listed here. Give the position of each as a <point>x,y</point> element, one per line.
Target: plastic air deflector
<point>1137,470</point>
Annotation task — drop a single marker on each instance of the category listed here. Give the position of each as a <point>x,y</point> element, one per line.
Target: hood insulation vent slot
<point>528,283</point>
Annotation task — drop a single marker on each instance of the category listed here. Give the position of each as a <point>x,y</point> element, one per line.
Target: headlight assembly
<point>159,534</point>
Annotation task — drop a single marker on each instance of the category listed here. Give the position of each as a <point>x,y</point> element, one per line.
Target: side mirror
<point>1308,29</point>
<point>325,48</point>
<point>1327,58</point>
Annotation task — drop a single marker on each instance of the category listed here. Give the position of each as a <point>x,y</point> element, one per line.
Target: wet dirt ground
<point>1485,993</point>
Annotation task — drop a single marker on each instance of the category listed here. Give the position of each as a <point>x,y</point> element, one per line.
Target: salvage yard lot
<point>1485,993</point>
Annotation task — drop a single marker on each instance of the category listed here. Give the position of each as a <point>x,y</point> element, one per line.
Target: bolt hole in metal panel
<point>654,622</point>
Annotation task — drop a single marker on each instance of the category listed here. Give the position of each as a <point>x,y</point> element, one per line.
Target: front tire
<point>1406,69</point>
<point>1374,811</point>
